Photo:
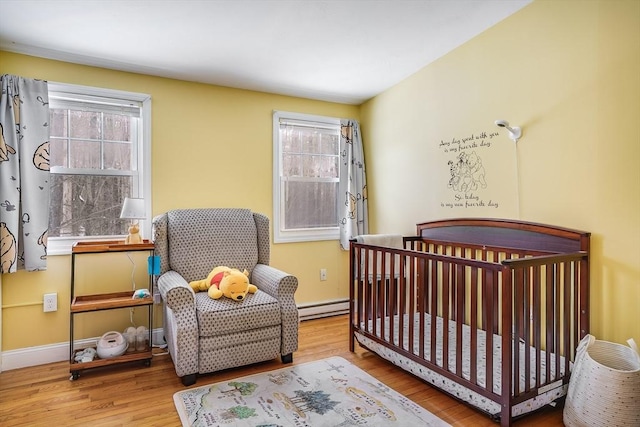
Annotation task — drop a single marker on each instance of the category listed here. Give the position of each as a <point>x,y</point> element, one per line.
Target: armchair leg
<point>287,358</point>
<point>188,380</point>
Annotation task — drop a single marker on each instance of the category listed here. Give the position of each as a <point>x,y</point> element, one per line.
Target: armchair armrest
<point>176,292</point>
<point>281,286</point>
<point>181,322</point>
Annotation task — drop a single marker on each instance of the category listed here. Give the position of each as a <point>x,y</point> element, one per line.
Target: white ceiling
<point>344,51</point>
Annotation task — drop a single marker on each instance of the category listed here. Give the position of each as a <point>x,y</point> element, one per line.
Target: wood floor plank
<point>136,395</point>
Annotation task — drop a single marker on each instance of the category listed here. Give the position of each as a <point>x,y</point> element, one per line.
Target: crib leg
<point>505,416</point>
<point>352,346</point>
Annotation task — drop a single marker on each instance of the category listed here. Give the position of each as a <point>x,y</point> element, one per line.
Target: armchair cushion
<point>224,316</point>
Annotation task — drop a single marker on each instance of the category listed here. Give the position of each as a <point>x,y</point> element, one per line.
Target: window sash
<point>71,141</point>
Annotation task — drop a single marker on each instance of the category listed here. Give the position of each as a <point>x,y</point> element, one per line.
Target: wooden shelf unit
<point>107,301</point>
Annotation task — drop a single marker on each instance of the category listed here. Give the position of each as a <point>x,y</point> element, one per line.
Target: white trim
<point>51,353</point>
<point>97,91</point>
<point>323,309</point>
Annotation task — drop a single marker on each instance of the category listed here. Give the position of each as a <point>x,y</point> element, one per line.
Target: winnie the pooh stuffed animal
<point>134,236</point>
<point>224,281</point>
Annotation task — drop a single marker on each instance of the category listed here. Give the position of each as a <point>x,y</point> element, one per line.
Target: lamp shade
<point>133,209</point>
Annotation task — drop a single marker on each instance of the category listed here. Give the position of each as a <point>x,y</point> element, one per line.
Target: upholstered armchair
<point>206,335</point>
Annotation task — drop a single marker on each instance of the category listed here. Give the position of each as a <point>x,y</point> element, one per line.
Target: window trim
<point>301,235</point>
<point>63,245</point>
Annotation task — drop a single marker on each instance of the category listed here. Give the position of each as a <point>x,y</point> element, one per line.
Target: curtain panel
<point>24,173</point>
<point>354,218</point>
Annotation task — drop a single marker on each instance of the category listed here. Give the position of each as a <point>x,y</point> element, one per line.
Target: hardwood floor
<point>135,395</point>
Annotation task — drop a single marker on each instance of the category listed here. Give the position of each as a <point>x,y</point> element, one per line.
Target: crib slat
<point>446,298</point>
<point>526,332</point>
<point>518,304</point>
<point>403,304</point>
<point>473,363</point>
<point>567,316</point>
<point>576,319</point>
<point>459,316</point>
<point>489,298</point>
<point>421,309</point>
<point>411,309</point>
<point>375,295</point>
<point>558,315</point>
<point>391,301</point>
<point>550,324</point>
<point>382,290</point>
<point>435,297</point>
<point>536,319</point>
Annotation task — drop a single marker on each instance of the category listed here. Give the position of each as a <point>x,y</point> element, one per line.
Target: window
<point>99,152</point>
<point>306,177</point>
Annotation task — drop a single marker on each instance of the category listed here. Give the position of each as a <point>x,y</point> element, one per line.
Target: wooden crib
<point>488,310</point>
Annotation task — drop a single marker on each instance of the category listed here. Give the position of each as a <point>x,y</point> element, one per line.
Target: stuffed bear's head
<point>229,282</point>
<point>235,285</point>
<point>134,228</point>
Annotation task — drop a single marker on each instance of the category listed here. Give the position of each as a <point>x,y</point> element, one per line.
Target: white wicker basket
<point>604,389</point>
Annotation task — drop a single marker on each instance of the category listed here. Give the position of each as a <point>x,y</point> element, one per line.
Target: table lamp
<point>133,209</point>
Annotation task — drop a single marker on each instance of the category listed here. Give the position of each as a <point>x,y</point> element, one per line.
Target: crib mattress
<point>547,396</point>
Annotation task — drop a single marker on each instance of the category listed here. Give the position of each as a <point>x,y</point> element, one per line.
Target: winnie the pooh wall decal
<point>478,175</point>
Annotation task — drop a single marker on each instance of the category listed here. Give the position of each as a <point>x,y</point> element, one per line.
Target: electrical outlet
<point>323,274</point>
<point>50,302</point>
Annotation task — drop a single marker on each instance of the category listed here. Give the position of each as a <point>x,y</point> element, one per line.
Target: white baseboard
<point>323,309</point>
<point>43,354</point>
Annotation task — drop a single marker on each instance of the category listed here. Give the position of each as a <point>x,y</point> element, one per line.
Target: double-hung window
<point>99,154</point>
<point>306,177</point>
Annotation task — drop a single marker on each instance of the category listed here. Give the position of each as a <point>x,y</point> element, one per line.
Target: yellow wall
<point>211,147</point>
<point>568,72</point>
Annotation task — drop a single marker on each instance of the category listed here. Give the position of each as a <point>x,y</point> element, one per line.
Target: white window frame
<point>142,183</point>
<point>280,234</point>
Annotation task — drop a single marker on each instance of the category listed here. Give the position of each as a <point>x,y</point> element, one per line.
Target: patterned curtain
<point>24,174</point>
<point>353,184</point>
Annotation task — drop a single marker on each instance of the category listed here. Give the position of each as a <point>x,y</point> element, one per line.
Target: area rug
<point>329,392</point>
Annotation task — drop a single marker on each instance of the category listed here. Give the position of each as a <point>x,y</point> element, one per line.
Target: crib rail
<point>450,306</point>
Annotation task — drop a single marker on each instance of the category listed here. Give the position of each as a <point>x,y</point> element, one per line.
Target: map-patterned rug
<point>329,392</point>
